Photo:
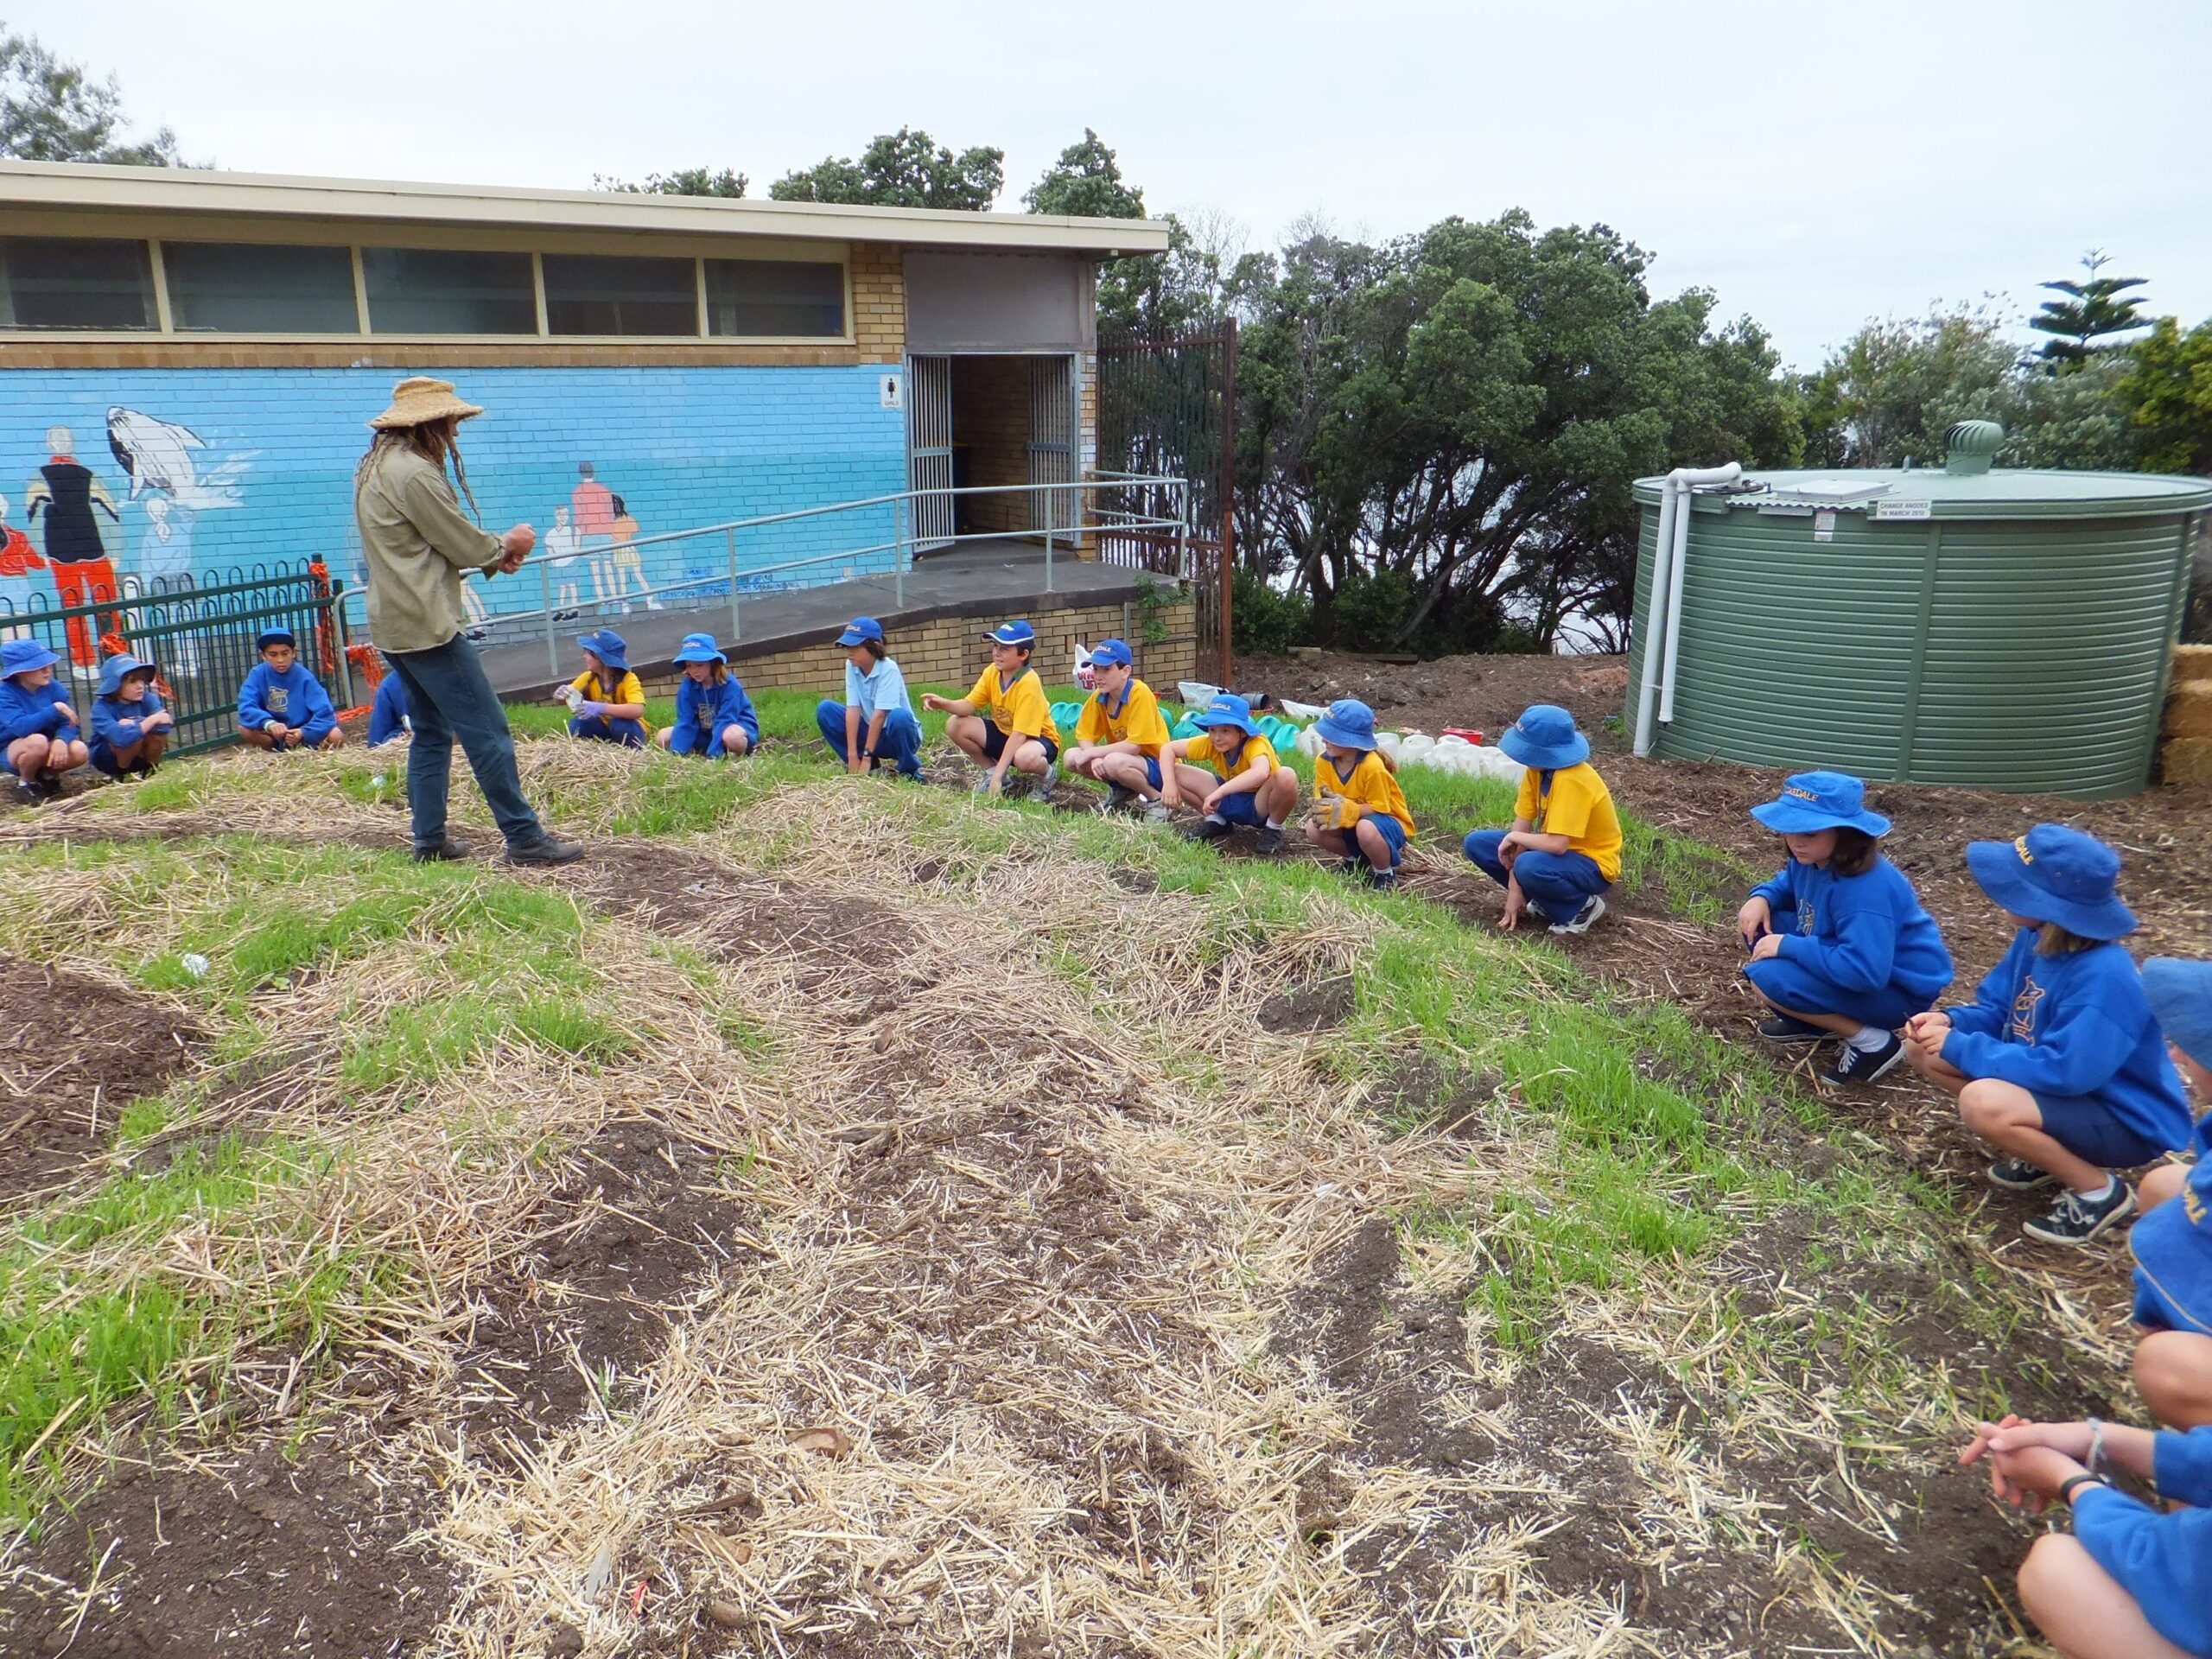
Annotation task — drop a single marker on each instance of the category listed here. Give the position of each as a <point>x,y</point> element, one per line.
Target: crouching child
<point>39,735</point>
<point>714,717</point>
<point>1563,849</point>
<point>131,728</point>
<point>1231,772</point>
<point>1359,812</point>
<point>282,705</point>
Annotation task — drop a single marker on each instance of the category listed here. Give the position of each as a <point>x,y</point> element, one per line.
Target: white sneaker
<point>1042,789</point>
<point>1585,918</point>
<point>1158,812</point>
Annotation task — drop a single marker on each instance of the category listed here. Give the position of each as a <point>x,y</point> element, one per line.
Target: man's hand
<point>516,545</point>
<point>1754,921</point>
<point>856,762</point>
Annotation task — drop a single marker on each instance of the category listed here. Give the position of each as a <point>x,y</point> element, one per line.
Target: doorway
<point>985,419</point>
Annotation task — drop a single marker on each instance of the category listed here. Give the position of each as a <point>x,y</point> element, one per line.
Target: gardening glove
<point>1338,813</point>
<point>589,710</point>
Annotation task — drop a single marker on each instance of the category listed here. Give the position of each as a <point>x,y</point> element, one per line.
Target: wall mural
<point>213,476</point>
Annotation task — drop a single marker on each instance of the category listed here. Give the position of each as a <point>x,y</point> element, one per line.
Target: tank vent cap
<point>1971,446</point>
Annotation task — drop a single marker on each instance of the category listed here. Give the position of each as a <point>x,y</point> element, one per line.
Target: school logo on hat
<point>2055,873</point>
<point>1016,633</point>
<point>608,647</point>
<point>861,629</point>
<point>698,648</point>
<point>1227,709</point>
<point>1111,653</point>
<point>1350,724</point>
<point>268,637</point>
<point>1812,801</point>
<point>1545,737</point>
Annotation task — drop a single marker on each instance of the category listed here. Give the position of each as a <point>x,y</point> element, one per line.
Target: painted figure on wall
<point>71,498</point>
<point>18,559</point>
<point>559,551</point>
<point>628,561</point>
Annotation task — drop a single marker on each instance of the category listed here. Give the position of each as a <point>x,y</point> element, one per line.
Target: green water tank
<point>2004,628</point>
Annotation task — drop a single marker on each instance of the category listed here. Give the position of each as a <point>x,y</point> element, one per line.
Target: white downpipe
<point>1681,481</point>
<point>1663,563</point>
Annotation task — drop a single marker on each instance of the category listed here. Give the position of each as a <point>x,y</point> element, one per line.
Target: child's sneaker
<point>28,793</point>
<point>1160,812</point>
<point>2077,1220</point>
<point>1270,841</point>
<point>1042,789</point>
<point>1863,1064</point>
<point>1211,830</point>
<point>2018,1175</point>
<point>1351,867</point>
<point>1584,920</point>
<point>1381,880</point>
<point>1118,798</point>
<point>1784,1028</point>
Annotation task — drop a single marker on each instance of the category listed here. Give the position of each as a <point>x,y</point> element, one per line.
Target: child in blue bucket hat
<point>714,717</point>
<point>875,722</point>
<point>1841,944</point>
<point>2173,1243</point>
<point>606,702</point>
<point>1231,771</point>
<point>1564,847</point>
<point>39,737</point>
<point>1019,733</point>
<point>130,728</point>
<point>1359,812</point>
<point>2057,1061</point>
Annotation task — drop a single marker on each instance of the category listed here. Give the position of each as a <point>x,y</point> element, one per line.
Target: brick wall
<point>880,303</point>
<point>2187,756</point>
<point>951,651</point>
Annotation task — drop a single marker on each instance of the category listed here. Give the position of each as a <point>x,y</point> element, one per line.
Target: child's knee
<point>2173,1373</point>
<point>736,741</point>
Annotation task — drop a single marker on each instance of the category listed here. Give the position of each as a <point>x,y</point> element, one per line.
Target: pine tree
<point>2093,310</point>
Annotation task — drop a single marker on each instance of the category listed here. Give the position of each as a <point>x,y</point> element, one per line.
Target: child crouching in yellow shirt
<point>1564,849</point>
<point>1232,773</point>
<point>1019,733</point>
<point>1359,812</point>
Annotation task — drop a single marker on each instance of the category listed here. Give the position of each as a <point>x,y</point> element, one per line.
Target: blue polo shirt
<point>883,687</point>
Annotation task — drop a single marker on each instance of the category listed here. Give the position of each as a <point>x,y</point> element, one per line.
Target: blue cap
<point>2055,873</point>
<point>698,648</point>
<point>1812,801</point>
<point>2180,995</point>
<point>608,647</point>
<point>861,629</point>
<point>1544,737</point>
<point>1227,709</point>
<point>1350,724</point>
<point>268,637</point>
<point>1112,653</point>
<point>24,656</point>
<point>1016,633</point>
<point>119,668</point>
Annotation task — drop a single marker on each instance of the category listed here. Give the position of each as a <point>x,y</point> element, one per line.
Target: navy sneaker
<point>2018,1175</point>
<point>1864,1064</point>
<point>1118,798</point>
<point>2076,1220</point>
<point>1381,881</point>
<point>1211,830</point>
<point>1583,919</point>
<point>1784,1028</point>
<point>1270,841</point>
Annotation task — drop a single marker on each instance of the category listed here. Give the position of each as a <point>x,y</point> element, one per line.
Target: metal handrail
<point>902,548</point>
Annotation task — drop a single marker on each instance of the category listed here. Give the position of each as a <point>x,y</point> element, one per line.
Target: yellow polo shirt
<point>1019,708</point>
<point>1576,805</point>
<point>1136,721</point>
<point>627,689</point>
<point>1371,787</point>
<point>1200,751</point>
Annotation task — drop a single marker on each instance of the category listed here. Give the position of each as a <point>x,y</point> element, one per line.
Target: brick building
<point>187,357</point>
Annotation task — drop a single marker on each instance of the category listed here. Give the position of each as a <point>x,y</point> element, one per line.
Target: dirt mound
<point>265,1552</point>
<point>73,1052</point>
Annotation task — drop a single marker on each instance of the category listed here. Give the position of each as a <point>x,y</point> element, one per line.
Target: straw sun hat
<point>418,398</point>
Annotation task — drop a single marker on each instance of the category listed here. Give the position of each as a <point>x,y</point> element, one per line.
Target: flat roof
<point>82,186</point>
<point>1930,491</point>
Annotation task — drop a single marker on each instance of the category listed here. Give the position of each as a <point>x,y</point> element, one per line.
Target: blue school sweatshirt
<point>2076,1024</point>
<point>294,696</point>
<point>115,722</point>
<point>1862,932</point>
<point>388,715</point>
<point>702,711</point>
<point>32,714</point>
<point>2163,1560</point>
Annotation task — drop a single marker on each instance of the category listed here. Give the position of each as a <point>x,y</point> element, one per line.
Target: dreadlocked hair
<point>436,441</point>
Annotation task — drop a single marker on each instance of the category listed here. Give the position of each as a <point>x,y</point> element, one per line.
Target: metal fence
<point>198,637</point>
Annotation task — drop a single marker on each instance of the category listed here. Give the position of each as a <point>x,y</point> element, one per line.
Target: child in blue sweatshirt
<point>282,705</point>
<point>2173,1242</point>
<point>2132,1582</point>
<point>39,739</point>
<point>2058,1061</point>
<point>1841,944</point>
<point>388,720</point>
<point>129,726</point>
<point>714,717</point>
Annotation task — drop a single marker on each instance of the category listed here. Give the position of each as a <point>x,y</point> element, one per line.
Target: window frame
<point>156,291</point>
<point>491,239</point>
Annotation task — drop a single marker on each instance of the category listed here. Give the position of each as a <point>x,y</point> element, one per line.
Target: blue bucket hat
<point>862,631</point>
<point>1227,709</point>
<point>1016,633</point>
<point>1112,653</point>
<point>1544,737</point>
<point>2180,993</point>
<point>24,657</point>
<point>2054,873</point>
<point>698,648</point>
<point>1350,724</point>
<point>608,647</point>
<point>117,669</point>
<point>268,637</point>
<point>1812,801</point>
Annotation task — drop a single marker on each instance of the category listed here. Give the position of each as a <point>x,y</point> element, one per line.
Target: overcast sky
<point>1815,165</point>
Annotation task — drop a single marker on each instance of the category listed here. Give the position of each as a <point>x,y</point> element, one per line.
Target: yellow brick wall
<point>880,303</point>
<point>951,651</point>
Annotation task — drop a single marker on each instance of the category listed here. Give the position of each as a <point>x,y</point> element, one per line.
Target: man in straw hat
<point>417,544</point>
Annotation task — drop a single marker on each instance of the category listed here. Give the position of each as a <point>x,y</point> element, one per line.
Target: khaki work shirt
<point>416,543</point>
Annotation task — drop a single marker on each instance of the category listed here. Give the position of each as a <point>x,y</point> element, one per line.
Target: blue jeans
<point>899,742</point>
<point>630,734</point>
<point>1558,884</point>
<point>449,700</point>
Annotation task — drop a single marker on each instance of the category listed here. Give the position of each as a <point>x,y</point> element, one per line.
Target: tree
<point>685,182</point>
<point>54,112</point>
<point>902,169</point>
<point>2166,396</point>
<point>1085,182</point>
<point>2092,311</point>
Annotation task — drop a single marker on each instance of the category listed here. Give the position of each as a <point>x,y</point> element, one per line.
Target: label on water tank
<point>1920,508</point>
<point>1824,524</point>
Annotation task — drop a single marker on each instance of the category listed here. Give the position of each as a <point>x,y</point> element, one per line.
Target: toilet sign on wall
<point>889,391</point>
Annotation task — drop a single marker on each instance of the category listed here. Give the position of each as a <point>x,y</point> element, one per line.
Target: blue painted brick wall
<point>255,466</point>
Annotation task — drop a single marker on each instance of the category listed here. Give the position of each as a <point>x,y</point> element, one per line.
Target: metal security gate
<point>1052,441</point>
<point>929,448</point>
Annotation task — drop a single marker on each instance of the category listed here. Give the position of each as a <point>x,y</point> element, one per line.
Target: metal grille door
<point>1051,441</point>
<point>929,448</point>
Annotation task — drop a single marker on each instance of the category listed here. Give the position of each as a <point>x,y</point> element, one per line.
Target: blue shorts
<point>1390,830</point>
<point>2093,1131</point>
<point>1243,807</point>
<point>994,744</point>
<point>104,759</point>
<point>1152,771</point>
<point>1793,985</point>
